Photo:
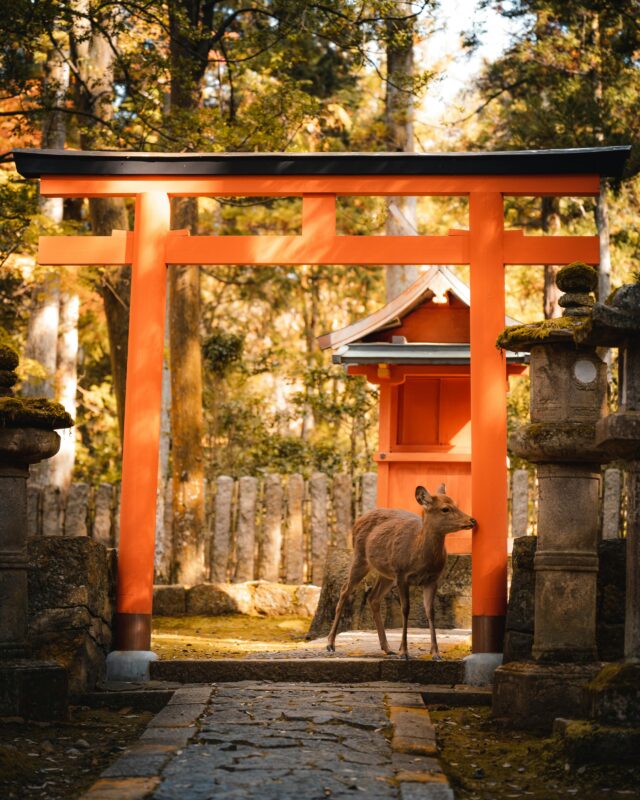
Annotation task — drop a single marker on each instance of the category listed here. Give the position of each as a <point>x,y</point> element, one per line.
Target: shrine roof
<point>434,283</point>
<point>412,353</point>
<point>603,161</point>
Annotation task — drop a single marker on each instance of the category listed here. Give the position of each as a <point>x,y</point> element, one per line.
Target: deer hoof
<point>436,657</point>
<point>389,652</point>
<point>331,648</point>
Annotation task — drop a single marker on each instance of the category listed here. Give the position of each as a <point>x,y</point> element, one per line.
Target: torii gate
<point>153,178</point>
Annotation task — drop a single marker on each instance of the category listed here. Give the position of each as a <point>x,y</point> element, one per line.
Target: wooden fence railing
<point>275,528</point>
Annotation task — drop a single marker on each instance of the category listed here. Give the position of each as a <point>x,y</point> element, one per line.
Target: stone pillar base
<point>129,666</point>
<point>615,694</point>
<point>33,690</point>
<point>530,696</point>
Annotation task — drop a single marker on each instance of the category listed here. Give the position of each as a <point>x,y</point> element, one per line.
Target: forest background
<point>247,391</point>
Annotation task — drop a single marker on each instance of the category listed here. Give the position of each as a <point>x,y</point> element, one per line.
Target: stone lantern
<point>616,691</point>
<point>568,398</point>
<point>30,689</point>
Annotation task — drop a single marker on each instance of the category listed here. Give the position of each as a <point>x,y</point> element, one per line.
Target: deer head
<point>440,514</point>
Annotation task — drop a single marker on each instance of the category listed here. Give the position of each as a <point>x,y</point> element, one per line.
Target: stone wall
<point>71,603</point>
<point>610,600</point>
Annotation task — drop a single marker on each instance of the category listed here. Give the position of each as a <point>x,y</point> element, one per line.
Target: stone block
<point>71,600</point>
<point>306,600</point>
<point>530,696</point>
<point>76,510</point>
<point>178,716</point>
<point>170,600</point>
<point>33,690</point>
<point>272,599</point>
<point>121,789</point>
<point>585,742</point>
<point>210,599</point>
<point>191,694</point>
<point>615,694</point>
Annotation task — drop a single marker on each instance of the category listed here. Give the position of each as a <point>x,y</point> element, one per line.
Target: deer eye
<point>446,510</point>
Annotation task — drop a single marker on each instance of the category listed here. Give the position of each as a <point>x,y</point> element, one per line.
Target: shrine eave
<point>604,161</point>
<point>412,353</point>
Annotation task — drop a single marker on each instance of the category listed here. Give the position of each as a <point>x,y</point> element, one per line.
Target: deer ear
<point>442,489</point>
<point>423,497</point>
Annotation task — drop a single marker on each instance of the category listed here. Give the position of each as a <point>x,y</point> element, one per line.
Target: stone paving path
<point>275,741</point>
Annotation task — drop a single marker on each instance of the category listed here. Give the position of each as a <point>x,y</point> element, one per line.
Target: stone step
<point>315,670</point>
<point>459,695</point>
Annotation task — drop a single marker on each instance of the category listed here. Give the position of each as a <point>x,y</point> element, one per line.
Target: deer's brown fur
<point>405,549</point>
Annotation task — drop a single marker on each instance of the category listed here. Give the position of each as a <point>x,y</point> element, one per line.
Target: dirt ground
<point>59,760</point>
<point>238,636</point>
<point>483,761</point>
<point>232,636</point>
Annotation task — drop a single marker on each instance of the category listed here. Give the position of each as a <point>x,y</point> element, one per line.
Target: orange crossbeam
<point>316,248</point>
<point>344,185</point>
<point>263,250</point>
<point>86,250</point>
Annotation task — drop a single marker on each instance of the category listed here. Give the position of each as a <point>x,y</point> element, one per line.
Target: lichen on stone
<point>577,277</point>
<point>33,412</point>
<point>8,353</point>
<point>560,328</point>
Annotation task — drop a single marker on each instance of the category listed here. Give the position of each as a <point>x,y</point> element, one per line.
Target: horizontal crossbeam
<point>311,249</point>
<point>342,185</point>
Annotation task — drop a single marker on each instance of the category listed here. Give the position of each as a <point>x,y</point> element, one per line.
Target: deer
<point>406,549</point>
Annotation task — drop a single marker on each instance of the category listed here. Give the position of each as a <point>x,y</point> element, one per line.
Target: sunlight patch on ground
<point>239,636</point>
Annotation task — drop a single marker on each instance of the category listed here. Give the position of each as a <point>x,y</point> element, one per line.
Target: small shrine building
<point>416,349</point>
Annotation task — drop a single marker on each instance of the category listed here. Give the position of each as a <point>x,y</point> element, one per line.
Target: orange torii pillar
<point>318,178</point>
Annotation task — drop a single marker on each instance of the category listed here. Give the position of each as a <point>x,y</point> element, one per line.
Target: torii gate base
<point>485,178</point>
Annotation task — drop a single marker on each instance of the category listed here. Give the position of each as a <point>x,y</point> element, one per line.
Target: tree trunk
<point>42,332</point>
<point>94,60</point>
<point>550,223</point>
<point>189,51</point>
<point>187,422</point>
<point>61,465</point>
<point>401,211</point>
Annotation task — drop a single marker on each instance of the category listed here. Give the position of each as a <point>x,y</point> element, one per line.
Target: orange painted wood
<point>342,185</point>
<point>488,407</point>
<point>317,249</point>
<point>418,417</point>
<point>455,413</point>
<point>439,456</point>
<point>142,406</point>
<point>431,323</point>
<point>321,247</point>
<point>519,249</point>
<point>84,250</point>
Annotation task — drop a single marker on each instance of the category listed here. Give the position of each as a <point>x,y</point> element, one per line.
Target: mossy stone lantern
<point>568,397</point>
<point>29,689</point>
<point>615,693</point>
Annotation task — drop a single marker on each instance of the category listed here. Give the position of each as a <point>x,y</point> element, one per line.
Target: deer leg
<point>356,574</point>
<point>403,591</point>
<point>376,596</point>
<point>428,596</point>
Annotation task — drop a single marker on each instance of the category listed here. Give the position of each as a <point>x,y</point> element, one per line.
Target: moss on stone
<point>33,412</point>
<point>577,277</point>
<point>516,336</point>
<point>621,675</point>
<point>8,353</point>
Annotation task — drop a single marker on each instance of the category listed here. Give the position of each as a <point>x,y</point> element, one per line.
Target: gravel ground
<point>483,761</point>
<point>59,760</point>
